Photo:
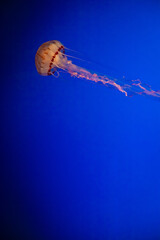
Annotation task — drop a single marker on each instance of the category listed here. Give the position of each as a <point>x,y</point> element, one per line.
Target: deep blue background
<point>79,160</point>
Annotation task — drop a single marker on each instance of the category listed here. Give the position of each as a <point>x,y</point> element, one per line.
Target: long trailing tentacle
<point>74,57</point>
<point>129,88</point>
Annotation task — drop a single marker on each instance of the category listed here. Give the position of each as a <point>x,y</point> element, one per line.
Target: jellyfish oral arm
<point>76,71</point>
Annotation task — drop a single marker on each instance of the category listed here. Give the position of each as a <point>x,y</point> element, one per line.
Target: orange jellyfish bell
<point>49,57</point>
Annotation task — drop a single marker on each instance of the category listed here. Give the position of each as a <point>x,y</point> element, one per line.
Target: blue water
<point>80,160</point>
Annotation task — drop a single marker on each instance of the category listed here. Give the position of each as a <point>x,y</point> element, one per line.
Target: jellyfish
<point>51,57</point>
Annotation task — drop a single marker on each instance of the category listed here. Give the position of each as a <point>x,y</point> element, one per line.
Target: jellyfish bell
<point>49,57</point>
